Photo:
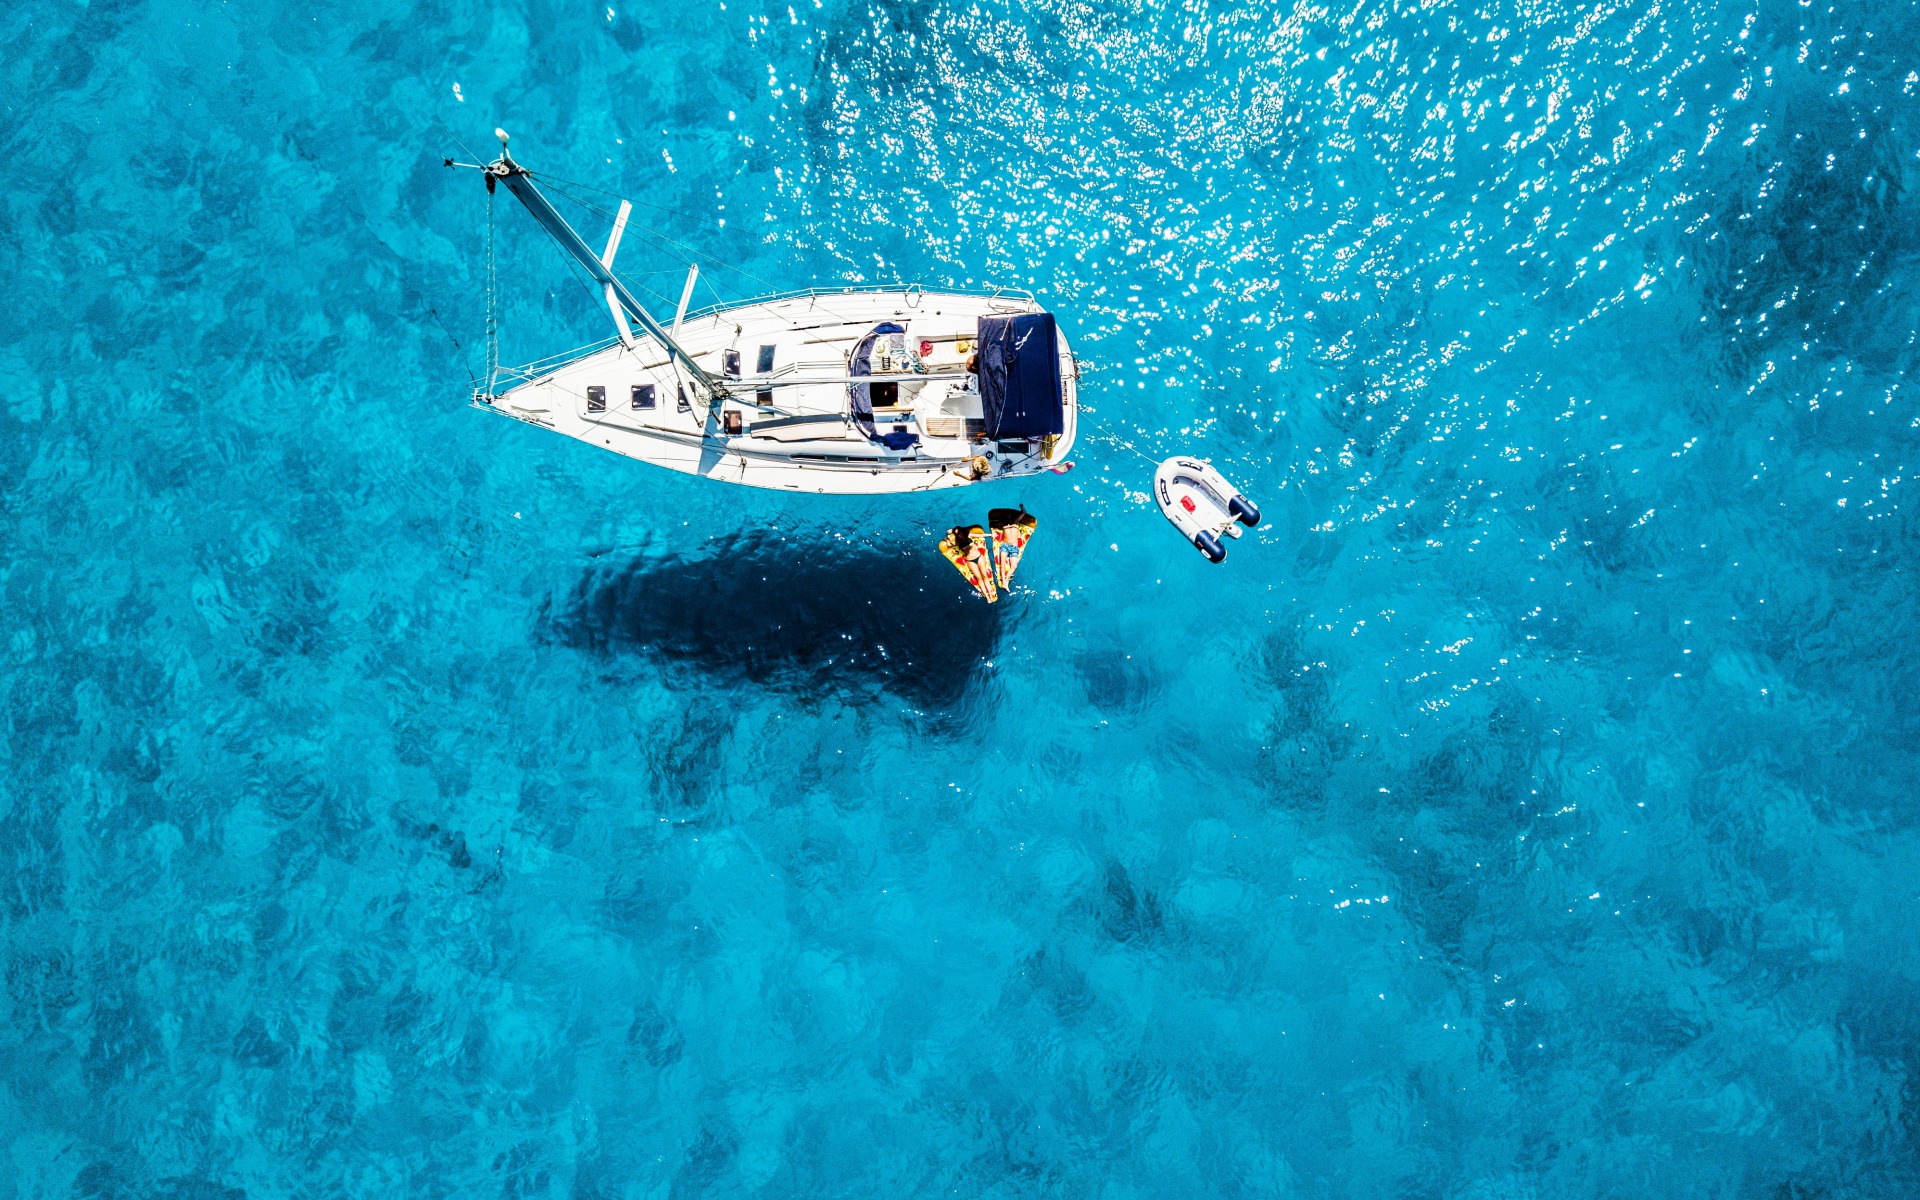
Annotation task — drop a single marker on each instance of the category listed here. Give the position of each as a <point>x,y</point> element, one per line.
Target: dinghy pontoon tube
<point>1201,504</point>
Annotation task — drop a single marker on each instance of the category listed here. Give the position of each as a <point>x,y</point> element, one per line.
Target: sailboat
<point>850,391</point>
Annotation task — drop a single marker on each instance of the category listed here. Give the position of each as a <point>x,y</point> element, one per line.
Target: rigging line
<point>1112,439</point>
<point>592,287</point>
<point>493,311</point>
<point>763,305</point>
<point>688,257</point>
<point>596,291</point>
<point>692,254</point>
<point>765,302</point>
<point>466,364</point>
<point>665,301</point>
<point>716,261</point>
<point>617,196</point>
<point>684,258</point>
<point>575,270</point>
<point>541,366</point>
<point>456,139</point>
<point>632,277</point>
<point>560,190</point>
<point>681,254</point>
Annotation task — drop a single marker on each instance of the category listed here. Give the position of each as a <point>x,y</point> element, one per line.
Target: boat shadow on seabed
<point>800,612</point>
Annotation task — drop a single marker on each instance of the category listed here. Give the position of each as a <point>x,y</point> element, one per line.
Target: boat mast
<point>519,181</point>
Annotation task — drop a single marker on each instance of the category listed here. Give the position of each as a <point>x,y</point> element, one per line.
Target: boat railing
<point>528,372</point>
<point>912,290</point>
<point>539,367</point>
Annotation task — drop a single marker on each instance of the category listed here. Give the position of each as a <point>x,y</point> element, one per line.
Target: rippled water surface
<point>398,801</point>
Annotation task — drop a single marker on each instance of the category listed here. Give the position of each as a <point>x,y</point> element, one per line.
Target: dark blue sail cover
<point>1020,376</point>
<point>860,395</point>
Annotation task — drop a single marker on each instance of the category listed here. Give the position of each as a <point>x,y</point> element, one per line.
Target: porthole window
<point>685,404</point>
<point>596,399</point>
<point>643,395</point>
<point>730,362</point>
<point>766,359</point>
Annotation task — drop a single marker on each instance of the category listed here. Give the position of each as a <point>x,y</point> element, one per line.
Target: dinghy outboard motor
<point>1202,505</point>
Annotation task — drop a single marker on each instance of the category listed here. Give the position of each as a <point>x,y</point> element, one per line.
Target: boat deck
<point>787,422</point>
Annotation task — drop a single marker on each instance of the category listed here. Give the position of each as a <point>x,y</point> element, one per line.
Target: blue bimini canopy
<point>1020,376</point>
<point>860,395</point>
<point>860,365</point>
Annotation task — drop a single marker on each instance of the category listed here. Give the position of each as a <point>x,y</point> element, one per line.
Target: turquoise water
<point>401,801</point>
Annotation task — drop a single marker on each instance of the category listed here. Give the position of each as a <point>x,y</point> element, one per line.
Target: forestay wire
<point>493,315</point>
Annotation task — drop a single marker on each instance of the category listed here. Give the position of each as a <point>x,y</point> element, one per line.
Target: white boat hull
<point>788,425</point>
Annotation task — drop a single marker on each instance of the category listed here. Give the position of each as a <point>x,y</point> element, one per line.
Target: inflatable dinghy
<point>1202,505</point>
